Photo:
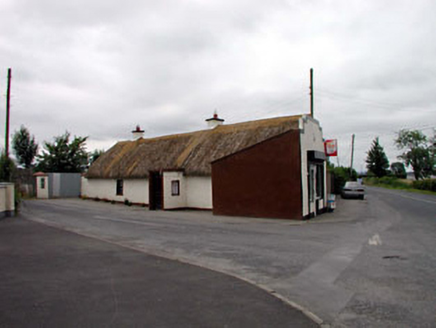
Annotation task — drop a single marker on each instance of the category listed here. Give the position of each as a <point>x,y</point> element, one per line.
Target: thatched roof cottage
<point>265,168</point>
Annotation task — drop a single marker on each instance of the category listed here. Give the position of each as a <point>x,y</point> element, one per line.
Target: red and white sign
<point>331,147</point>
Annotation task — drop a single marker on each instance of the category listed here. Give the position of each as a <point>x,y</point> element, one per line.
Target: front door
<point>155,191</point>
<point>312,190</point>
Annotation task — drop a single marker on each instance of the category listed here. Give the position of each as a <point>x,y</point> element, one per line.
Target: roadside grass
<point>396,184</point>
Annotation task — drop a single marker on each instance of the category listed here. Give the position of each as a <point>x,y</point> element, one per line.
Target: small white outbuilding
<point>57,185</point>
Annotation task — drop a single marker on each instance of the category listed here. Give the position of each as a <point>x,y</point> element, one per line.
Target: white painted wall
<point>171,201</point>
<point>41,193</point>
<point>311,138</point>
<point>195,192</point>
<point>199,192</point>
<point>7,200</point>
<point>135,190</point>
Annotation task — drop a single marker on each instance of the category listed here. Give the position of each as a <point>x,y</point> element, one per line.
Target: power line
<point>278,106</point>
<point>392,132</point>
<point>343,97</point>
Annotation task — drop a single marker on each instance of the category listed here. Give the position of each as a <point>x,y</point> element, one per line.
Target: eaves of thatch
<point>191,152</point>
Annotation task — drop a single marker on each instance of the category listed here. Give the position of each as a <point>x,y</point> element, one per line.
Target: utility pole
<point>8,101</point>
<point>352,154</point>
<point>311,92</point>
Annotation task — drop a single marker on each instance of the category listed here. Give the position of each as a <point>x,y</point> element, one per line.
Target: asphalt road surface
<point>52,278</point>
<point>371,263</point>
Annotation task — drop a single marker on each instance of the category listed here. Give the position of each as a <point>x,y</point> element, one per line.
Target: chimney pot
<point>214,121</point>
<point>137,133</point>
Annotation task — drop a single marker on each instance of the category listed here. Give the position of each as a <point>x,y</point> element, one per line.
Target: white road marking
<point>375,240</point>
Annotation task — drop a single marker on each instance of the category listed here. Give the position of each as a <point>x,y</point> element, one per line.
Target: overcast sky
<point>99,68</point>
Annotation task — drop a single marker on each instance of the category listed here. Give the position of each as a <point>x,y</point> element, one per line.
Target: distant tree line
<point>418,152</point>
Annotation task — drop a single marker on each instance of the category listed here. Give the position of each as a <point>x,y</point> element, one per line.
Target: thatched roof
<point>192,152</point>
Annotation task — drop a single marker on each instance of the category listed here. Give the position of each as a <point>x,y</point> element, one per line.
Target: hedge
<point>426,184</point>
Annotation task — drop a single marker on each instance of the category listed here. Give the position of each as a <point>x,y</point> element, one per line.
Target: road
<point>53,278</point>
<point>370,263</point>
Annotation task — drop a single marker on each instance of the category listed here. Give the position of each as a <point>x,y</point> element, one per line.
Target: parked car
<point>353,189</point>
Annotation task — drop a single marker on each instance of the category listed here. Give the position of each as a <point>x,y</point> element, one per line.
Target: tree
<point>24,146</point>
<point>340,176</point>
<point>63,155</point>
<point>376,161</point>
<point>399,170</point>
<point>418,152</point>
<point>92,157</point>
<point>432,149</point>
<point>7,168</point>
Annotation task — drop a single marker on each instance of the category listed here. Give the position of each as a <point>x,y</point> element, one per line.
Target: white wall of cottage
<point>195,192</point>
<point>199,192</point>
<point>174,201</point>
<point>134,190</point>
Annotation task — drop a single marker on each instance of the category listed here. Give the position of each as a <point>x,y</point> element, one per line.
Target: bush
<point>393,182</point>
<point>7,168</point>
<point>341,175</point>
<point>426,184</point>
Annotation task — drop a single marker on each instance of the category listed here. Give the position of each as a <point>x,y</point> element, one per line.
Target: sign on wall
<point>331,147</point>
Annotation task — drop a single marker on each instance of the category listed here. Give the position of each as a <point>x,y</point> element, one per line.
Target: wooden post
<point>8,100</point>
<point>352,155</point>
<point>311,92</point>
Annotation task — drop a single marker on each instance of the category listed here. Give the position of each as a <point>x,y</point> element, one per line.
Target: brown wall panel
<point>260,181</point>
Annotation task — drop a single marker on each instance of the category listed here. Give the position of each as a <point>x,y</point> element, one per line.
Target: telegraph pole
<point>8,101</point>
<point>352,154</point>
<point>311,92</point>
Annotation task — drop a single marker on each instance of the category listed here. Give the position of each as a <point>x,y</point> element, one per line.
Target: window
<point>119,187</point>
<point>42,184</point>
<point>175,188</point>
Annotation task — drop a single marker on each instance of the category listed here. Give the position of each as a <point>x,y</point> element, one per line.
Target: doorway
<point>315,188</point>
<point>312,189</point>
<point>155,191</point>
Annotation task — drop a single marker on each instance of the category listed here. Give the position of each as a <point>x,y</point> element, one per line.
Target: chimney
<point>214,121</point>
<point>137,133</point>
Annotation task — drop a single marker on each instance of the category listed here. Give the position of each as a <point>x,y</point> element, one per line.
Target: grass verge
<point>396,184</point>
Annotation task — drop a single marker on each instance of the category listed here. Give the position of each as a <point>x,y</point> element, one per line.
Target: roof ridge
<point>218,128</point>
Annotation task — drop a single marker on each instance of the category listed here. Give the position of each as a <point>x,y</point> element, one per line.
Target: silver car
<point>353,189</point>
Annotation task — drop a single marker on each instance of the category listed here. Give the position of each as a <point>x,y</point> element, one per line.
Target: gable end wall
<point>261,181</point>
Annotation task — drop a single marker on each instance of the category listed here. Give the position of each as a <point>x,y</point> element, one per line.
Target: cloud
<point>98,68</point>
